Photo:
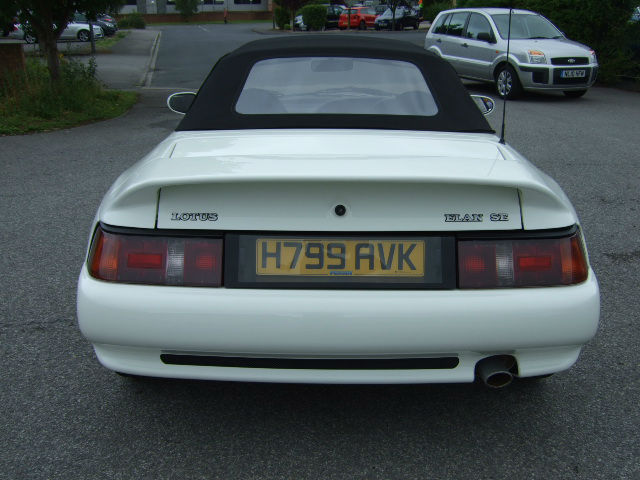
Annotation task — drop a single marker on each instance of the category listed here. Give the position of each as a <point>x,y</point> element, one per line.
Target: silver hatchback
<point>474,41</point>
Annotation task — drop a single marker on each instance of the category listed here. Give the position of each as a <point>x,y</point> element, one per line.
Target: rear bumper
<point>131,326</point>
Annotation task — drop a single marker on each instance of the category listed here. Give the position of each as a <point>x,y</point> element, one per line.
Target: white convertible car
<point>336,210</point>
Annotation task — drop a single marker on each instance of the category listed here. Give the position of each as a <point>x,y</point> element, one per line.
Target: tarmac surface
<point>128,64</point>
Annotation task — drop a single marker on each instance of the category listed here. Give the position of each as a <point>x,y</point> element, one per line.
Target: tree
<point>48,19</point>
<point>187,8</point>
<point>393,5</point>
<point>293,6</point>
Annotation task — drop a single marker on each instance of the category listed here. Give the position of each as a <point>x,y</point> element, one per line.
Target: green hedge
<point>431,10</point>
<point>314,16</point>
<point>133,20</point>
<point>282,17</point>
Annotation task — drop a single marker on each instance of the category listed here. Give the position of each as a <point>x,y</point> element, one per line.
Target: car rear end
<point>407,260</point>
<point>352,15</point>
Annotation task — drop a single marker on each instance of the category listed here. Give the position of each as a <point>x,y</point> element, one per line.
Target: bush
<point>133,20</point>
<point>433,9</point>
<point>30,101</point>
<point>314,16</point>
<point>282,17</point>
<point>187,8</point>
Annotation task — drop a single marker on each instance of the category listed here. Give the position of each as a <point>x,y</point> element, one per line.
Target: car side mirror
<point>485,104</point>
<point>485,37</point>
<point>180,102</point>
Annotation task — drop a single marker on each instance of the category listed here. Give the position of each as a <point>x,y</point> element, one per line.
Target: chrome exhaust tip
<point>496,372</point>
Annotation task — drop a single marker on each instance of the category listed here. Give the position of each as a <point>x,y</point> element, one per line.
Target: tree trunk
<point>49,48</point>
<point>161,6</point>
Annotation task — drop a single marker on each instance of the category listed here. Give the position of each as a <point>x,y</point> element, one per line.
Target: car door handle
<point>465,44</point>
<point>439,41</point>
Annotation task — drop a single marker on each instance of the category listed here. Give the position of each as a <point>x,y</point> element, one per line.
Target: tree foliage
<point>187,8</point>
<point>48,19</point>
<point>314,16</point>
<point>293,6</point>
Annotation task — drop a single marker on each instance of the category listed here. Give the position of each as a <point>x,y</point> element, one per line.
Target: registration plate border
<point>446,259</point>
<point>564,71</point>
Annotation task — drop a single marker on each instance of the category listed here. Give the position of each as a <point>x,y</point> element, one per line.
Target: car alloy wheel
<point>507,82</point>
<point>30,38</point>
<point>83,35</point>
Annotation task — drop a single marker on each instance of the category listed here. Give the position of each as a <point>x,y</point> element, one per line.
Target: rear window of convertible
<point>335,85</point>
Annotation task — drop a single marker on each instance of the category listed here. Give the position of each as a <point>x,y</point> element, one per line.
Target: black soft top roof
<point>214,106</point>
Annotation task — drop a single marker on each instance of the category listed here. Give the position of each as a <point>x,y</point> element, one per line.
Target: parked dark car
<point>404,18</point>
<point>333,16</point>
<point>380,9</point>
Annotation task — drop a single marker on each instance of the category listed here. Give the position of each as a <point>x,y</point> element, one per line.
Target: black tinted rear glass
<point>441,24</point>
<point>456,24</point>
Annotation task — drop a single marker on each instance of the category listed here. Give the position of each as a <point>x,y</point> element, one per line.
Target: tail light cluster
<point>156,260</point>
<point>197,261</point>
<point>536,262</point>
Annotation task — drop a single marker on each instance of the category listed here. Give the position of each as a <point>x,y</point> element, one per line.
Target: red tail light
<point>156,260</point>
<point>521,262</point>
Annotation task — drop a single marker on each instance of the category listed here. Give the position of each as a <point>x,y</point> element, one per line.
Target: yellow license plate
<point>340,258</point>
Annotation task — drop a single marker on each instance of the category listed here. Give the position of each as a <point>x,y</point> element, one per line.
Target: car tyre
<point>415,26</point>
<point>507,83</point>
<point>30,38</point>
<point>574,93</point>
<point>83,35</point>
<point>362,26</point>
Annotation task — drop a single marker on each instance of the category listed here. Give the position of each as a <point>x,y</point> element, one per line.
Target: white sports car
<point>336,210</point>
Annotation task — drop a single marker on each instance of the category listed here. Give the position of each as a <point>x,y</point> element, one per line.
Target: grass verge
<point>104,44</point>
<point>30,102</point>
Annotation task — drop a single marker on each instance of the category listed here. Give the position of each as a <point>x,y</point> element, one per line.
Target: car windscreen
<point>335,85</point>
<point>525,26</point>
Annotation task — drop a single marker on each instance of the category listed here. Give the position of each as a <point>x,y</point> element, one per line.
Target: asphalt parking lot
<point>63,416</point>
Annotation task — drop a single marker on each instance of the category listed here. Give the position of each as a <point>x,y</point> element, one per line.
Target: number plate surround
<point>573,74</point>
<point>245,266</point>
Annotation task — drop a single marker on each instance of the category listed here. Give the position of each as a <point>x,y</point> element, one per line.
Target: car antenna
<point>504,99</point>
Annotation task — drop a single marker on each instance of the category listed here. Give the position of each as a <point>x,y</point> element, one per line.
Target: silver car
<point>474,41</point>
<point>74,31</point>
